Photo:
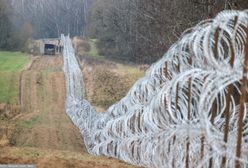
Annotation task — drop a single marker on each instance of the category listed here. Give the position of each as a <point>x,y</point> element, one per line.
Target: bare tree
<point>50,18</point>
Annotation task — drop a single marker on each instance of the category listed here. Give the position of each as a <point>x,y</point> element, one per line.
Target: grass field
<point>93,49</point>
<point>11,63</point>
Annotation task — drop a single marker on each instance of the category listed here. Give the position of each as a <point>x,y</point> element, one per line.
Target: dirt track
<point>43,98</point>
<point>43,133</point>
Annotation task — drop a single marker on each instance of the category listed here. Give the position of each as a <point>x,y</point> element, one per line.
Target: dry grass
<point>43,134</point>
<point>108,82</point>
<point>57,158</point>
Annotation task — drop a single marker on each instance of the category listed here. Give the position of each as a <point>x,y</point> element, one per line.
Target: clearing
<point>42,133</point>
<point>11,64</point>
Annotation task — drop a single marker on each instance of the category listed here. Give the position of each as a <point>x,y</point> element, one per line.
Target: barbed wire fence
<point>190,109</point>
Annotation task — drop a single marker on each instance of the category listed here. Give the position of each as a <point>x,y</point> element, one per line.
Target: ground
<point>41,133</point>
<point>107,82</point>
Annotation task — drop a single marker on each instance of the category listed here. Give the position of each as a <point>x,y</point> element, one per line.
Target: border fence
<point>190,109</point>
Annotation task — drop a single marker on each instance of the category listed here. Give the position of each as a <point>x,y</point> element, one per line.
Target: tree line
<point>11,37</point>
<point>24,19</point>
<point>142,30</point>
<point>129,30</point>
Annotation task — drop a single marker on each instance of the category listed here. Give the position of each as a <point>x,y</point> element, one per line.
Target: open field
<point>42,134</point>
<point>12,61</point>
<point>11,64</point>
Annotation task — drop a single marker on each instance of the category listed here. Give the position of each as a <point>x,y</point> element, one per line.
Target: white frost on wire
<point>150,126</point>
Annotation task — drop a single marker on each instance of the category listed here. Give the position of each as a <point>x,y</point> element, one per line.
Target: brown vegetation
<point>107,82</point>
<point>42,134</point>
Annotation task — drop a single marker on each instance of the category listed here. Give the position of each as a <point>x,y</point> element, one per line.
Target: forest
<point>143,30</point>
<point>30,19</point>
<point>139,31</point>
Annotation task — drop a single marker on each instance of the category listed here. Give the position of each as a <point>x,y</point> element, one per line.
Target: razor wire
<point>190,109</point>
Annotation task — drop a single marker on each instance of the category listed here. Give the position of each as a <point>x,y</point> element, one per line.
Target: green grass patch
<point>11,63</point>
<point>93,49</point>
<point>9,82</point>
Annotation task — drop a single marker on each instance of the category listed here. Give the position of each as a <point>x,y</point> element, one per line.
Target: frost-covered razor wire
<point>190,109</point>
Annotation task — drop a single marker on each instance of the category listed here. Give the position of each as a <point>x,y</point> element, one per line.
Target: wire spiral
<point>190,109</point>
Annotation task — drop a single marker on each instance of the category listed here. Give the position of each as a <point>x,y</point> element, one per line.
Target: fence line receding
<point>190,109</point>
